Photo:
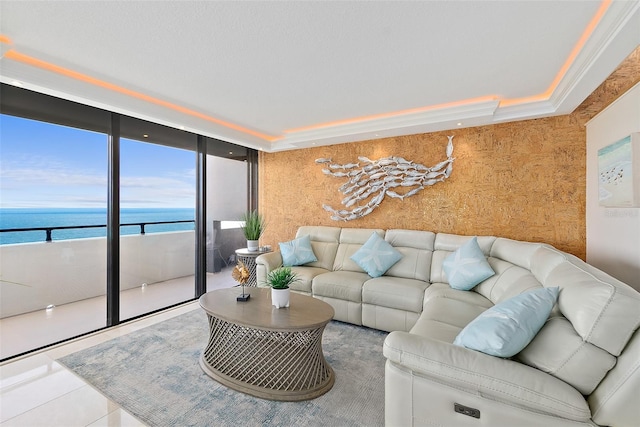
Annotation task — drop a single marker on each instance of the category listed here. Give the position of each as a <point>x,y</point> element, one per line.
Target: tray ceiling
<point>285,75</point>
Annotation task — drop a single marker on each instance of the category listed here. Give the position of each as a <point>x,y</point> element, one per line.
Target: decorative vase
<point>280,298</point>
<point>252,245</point>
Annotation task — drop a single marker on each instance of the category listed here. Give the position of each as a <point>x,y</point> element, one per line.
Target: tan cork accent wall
<point>522,180</point>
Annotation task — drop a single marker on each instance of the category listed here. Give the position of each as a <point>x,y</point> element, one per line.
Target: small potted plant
<point>279,280</point>
<point>254,225</point>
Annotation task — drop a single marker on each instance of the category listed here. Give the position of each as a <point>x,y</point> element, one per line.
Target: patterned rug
<point>154,374</point>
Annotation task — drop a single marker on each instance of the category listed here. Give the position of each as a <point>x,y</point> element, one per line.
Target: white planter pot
<point>280,298</point>
<point>252,245</point>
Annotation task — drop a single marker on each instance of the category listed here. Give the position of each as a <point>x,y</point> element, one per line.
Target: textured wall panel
<point>522,180</point>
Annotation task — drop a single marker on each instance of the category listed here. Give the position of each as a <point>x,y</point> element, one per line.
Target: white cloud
<point>63,187</point>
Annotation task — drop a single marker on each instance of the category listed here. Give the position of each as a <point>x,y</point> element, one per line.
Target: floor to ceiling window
<point>158,199</point>
<point>53,187</point>
<point>226,202</point>
<point>57,180</point>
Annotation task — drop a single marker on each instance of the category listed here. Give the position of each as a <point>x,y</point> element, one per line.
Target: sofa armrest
<point>266,263</point>
<point>498,379</point>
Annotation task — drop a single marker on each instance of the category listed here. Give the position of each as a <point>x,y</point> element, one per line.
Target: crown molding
<point>390,125</point>
<point>615,36</point>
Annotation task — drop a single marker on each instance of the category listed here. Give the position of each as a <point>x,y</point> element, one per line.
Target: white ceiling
<point>284,75</point>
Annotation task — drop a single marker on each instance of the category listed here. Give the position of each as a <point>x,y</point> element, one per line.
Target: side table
<point>248,258</point>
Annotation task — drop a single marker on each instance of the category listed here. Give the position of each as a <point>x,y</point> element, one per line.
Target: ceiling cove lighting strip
<point>604,6</point>
<point>454,104</point>
<point>34,62</point>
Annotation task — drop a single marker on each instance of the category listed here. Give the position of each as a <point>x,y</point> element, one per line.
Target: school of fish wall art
<point>369,184</point>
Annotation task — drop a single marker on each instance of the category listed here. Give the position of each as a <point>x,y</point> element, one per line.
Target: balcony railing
<point>49,230</point>
<point>34,275</point>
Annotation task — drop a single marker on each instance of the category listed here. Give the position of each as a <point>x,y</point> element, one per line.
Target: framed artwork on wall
<point>619,173</point>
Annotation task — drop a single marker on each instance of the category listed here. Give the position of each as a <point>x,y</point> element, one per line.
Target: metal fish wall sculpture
<point>368,185</point>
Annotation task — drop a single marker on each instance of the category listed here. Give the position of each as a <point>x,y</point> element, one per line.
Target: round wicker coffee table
<point>267,352</point>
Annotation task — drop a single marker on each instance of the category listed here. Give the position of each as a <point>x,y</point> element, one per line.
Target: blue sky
<point>45,165</point>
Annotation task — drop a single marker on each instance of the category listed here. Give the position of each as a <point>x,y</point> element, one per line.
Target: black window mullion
<point>201,218</point>
<point>113,224</point>
<point>252,180</point>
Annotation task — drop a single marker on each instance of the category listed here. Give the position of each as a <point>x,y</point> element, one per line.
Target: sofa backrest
<point>511,260</point>
<point>352,239</point>
<point>324,242</point>
<point>603,310</point>
<point>416,248</point>
<point>594,320</point>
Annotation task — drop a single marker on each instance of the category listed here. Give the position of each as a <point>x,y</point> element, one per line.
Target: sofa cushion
<point>447,311</point>
<point>343,285</point>
<point>324,241</point>
<point>510,280</point>
<point>453,312</point>
<point>558,350</point>
<point>395,292</point>
<point>443,290</point>
<point>433,329</point>
<point>467,266</point>
<point>416,248</point>
<point>305,276</point>
<point>506,328</point>
<point>297,252</point>
<point>352,239</point>
<point>376,256</point>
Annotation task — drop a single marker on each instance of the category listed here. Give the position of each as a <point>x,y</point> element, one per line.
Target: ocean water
<point>11,218</point>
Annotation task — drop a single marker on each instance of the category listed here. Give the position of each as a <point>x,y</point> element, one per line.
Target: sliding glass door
<point>104,217</point>
<point>53,185</point>
<point>157,217</point>
<point>227,176</point>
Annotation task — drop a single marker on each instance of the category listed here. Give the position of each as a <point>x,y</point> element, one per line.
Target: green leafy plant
<point>254,225</point>
<point>281,278</point>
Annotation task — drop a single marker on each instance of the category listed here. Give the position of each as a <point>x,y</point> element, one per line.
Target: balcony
<point>52,291</point>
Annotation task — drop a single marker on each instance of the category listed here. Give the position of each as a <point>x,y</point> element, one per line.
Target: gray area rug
<point>154,374</point>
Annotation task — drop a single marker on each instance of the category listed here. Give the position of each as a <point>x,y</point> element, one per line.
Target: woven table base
<point>275,365</point>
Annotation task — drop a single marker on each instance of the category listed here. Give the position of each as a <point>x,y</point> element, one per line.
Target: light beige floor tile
<point>118,418</point>
<point>11,373</point>
<point>36,390</point>
<point>27,389</point>
<point>80,407</point>
<point>79,344</point>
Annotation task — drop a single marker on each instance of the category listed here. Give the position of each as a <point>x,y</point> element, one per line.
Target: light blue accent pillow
<point>376,256</point>
<point>508,327</point>
<point>297,252</point>
<point>467,266</point>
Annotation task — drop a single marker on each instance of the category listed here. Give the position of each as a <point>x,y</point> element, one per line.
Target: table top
<point>247,252</point>
<point>304,312</point>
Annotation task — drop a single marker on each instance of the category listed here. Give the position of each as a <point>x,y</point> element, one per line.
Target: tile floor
<point>35,390</point>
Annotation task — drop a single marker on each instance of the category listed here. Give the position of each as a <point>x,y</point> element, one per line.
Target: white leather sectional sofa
<point>582,368</point>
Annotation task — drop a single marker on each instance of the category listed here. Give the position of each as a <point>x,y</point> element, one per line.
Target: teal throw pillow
<point>297,252</point>
<point>467,266</point>
<point>508,327</point>
<point>376,256</point>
